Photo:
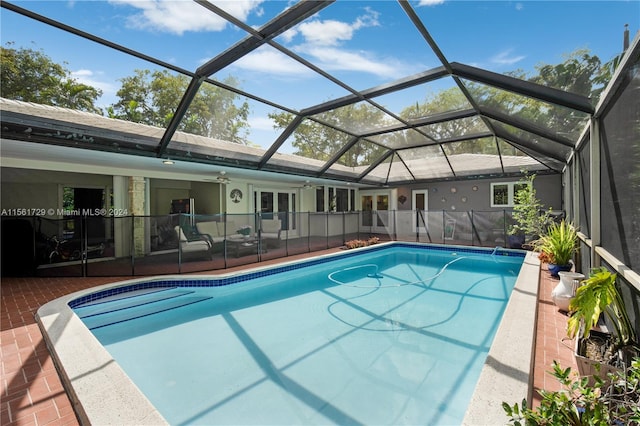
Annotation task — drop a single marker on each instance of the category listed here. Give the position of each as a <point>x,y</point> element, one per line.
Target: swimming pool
<point>362,343</point>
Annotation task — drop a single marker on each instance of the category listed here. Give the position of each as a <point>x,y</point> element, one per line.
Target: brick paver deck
<point>32,393</point>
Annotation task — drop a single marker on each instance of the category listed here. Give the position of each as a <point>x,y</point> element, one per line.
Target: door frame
<point>293,198</point>
<point>375,227</point>
<point>414,209</point>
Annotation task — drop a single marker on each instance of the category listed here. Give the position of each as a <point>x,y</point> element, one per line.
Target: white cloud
<point>333,59</point>
<point>90,78</point>
<point>271,62</point>
<point>506,58</point>
<point>261,123</point>
<point>519,6</point>
<point>331,32</point>
<point>430,2</point>
<point>322,42</point>
<point>180,16</point>
<point>326,33</point>
<point>97,80</point>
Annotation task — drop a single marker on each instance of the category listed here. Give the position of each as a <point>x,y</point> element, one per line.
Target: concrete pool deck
<point>21,410</point>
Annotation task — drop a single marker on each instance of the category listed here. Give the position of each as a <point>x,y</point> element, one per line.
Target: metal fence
<point>180,243</point>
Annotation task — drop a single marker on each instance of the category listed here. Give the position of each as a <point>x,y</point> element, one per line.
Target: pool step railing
<point>127,307</point>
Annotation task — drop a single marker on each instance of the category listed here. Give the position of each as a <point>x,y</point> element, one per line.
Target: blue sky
<point>363,43</point>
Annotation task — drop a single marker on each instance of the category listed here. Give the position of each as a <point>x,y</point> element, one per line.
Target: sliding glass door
<point>375,211</point>
<point>280,204</point>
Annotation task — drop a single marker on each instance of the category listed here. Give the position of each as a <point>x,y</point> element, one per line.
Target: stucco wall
<point>476,194</point>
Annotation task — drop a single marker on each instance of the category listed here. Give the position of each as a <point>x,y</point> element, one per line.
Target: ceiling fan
<point>306,185</point>
<point>223,179</point>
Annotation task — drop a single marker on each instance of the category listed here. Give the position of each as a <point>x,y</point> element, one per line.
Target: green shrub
<point>578,403</point>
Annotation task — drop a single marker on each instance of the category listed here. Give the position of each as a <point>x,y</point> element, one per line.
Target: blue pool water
<point>391,336</point>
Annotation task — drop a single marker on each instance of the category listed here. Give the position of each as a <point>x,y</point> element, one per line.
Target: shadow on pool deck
<point>32,391</point>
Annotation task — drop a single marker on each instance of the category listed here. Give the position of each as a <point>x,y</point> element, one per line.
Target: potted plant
<point>560,243</point>
<point>244,230</point>
<point>529,215</point>
<point>598,296</point>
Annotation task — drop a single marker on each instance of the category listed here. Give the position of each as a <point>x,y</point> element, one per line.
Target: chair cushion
<point>180,234</point>
<point>209,228</point>
<point>271,226</point>
<point>231,228</point>
<point>192,246</point>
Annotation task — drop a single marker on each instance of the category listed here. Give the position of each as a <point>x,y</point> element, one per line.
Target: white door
<point>375,212</point>
<point>279,204</point>
<point>419,205</point>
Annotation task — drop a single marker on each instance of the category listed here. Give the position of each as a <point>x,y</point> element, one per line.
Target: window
<point>320,199</point>
<point>342,200</point>
<point>503,194</point>
<point>339,199</point>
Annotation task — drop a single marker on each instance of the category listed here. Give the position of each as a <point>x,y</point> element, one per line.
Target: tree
<point>528,211</point>
<point>574,75</point>
<point>451,99</point>
<point>31,76</point>
<point>312,139</point>
<point>151,97</point>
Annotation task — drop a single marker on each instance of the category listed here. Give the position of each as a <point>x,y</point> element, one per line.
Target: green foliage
<point>560,242</point>
<point>579,403</point>
<point>29,75</point>
<point>529,214</point>
<point>575,74</point>
<point>599,295</point>
<point>314,139</point>
<point>152,97</point>
<point>68,198</point>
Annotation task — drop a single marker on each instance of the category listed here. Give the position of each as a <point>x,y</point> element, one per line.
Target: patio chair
<point>200,243</point>
<point>271,229</point>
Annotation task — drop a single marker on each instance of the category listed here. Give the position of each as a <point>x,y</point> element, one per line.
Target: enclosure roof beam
<point>522,87</point>
<point>525,125</point>
<point>414,80</point>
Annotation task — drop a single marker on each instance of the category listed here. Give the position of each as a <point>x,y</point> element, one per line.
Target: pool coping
<point>507,374</point>
<point>101,392</point>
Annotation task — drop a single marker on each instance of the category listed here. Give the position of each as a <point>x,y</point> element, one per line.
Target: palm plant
<point>559,242</point>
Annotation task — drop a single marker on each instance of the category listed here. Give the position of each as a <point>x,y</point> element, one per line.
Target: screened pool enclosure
<point>443,120</point>
<point>430,117</point>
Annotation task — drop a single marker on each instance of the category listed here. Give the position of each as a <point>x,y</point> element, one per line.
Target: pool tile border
<point>216,282</point>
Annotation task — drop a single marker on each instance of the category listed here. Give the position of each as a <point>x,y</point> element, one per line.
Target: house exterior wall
<point>476,194</point>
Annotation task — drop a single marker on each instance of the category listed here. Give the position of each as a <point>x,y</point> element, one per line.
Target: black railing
<point>179,243</point>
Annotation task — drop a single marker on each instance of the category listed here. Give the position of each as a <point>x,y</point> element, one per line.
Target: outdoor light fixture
<point>222,178</point>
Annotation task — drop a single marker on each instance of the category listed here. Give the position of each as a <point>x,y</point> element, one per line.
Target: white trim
<point>414,209</point>
<point>616,264</point>
<point>511,193</point>
<point>621,269</point>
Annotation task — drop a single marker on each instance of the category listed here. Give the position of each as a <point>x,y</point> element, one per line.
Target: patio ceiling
<point>487,133</point>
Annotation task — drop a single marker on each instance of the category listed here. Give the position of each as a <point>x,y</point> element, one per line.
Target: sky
<point>365,44</point>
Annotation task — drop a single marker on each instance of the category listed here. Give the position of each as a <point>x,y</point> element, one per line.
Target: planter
<point>566,289</point>
<point>595,356</point>
<point>587,365</point>
<point>555,269</point>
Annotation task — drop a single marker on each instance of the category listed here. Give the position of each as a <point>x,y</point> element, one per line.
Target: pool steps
<point>128,306</point>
